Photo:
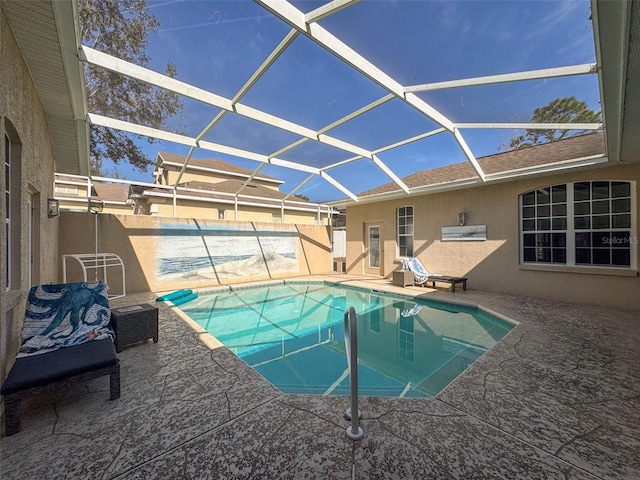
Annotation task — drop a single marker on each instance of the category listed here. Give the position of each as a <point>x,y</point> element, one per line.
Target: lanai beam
<point>534,126</point>
<point>328,9</point>
<point>109,62</point>
<point>295,18</point>
<point>583,69</point>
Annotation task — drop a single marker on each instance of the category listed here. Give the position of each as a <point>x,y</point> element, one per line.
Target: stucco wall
<point>492,265</point>
<point>163,254</point>
<point>20,106</point>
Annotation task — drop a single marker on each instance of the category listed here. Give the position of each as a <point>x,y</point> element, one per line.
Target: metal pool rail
<point>354,432</point>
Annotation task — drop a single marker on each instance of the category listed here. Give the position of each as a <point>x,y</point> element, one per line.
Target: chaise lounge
<point>422,276</point>
<point>66,334</point>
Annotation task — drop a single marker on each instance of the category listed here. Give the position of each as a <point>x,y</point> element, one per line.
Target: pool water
<point>292,334</point>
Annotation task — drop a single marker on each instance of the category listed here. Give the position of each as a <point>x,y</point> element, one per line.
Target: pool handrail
<point>354,432</point>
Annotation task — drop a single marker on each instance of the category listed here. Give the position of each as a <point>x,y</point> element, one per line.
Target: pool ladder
<point>354,432</point>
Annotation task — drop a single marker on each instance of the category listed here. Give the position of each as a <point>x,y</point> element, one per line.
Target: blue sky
<point>218,45</point>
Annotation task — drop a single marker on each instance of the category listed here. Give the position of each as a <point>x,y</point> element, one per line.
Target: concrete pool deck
<point>558,397</point>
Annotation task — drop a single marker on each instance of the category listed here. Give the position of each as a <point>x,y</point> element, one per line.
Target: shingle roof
<point>214,164</point>
<point>111,193</point>
<point>233,185</point>
<point>561,150</point>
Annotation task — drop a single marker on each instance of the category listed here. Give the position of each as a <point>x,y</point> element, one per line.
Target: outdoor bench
<point>36,373</point>
<point>450,280</point>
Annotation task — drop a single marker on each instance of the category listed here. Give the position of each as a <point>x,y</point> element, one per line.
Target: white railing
<point>354,432</point>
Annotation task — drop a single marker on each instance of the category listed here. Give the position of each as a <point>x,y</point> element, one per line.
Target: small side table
<point>136,323</point>
<point>402,278</point>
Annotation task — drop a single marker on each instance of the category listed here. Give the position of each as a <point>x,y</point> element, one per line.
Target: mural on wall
<point>201,250</point>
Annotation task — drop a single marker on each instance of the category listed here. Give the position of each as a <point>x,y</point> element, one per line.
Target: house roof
<point>110,193</point>
<point>233,185</point>
<point>573,148</point>
<point>214,165</point>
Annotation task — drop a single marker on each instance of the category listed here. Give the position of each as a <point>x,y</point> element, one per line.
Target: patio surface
<point>559,397</point>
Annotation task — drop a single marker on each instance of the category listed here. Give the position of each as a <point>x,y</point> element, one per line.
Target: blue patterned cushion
<point>64,315</point>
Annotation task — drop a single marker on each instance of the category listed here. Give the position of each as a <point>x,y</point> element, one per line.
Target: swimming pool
<point>292,334</point>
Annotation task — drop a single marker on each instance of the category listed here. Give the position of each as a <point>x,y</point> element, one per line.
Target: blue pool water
<point>292,334</point>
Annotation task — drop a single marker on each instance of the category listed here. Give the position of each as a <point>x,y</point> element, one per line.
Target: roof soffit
<point>46,34</point>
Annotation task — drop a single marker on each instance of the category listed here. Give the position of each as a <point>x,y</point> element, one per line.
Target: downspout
<point>175,201</point>
<point>235,208</point>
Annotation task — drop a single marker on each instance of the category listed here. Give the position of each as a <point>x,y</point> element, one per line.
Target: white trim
<point>231,200</point>
<point>84,200</point>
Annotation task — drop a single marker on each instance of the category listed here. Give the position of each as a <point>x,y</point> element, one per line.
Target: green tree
<point>301,197</point>
<point>560,110</point>
<point>120,28</point>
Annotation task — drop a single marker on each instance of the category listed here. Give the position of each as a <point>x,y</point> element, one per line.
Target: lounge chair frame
<point>12,400</point>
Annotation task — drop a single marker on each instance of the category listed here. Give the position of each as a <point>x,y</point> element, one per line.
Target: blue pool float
<point>185,299</point>
<point>174,295</point>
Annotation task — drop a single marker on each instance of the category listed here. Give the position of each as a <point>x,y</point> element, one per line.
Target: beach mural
<point>201,250</point>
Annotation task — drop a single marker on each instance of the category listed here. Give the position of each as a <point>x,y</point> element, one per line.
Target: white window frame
<point>66,189</point>
<point>7,188</point>
<point>570,231</point>
<point>405,234</point>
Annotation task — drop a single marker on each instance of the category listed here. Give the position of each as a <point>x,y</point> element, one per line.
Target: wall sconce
<point>96,206</point>
<point>461,218</point>
<point>53,207</point>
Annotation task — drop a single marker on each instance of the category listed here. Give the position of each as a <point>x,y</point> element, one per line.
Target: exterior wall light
<point>53,207</point>
<point>462,218</point>
<point>96,206</point>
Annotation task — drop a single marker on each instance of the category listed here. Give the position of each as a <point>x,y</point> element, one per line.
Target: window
<point>405,231</point>
<point>66,189</point>
<point>602,223</point>
<point>581,223</point>
<point>406,338</point>
<point>221,214</point>
<point>12,191</point>
<point>544,221</point>
<point>7,206</point>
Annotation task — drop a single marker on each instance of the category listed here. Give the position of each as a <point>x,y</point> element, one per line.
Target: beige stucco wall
<point>117,209</point>
<point>142,241</point>
<point>20,105</point>
<point>492,265</point>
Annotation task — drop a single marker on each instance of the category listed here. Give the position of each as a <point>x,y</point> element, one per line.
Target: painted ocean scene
<point>216,253</point>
